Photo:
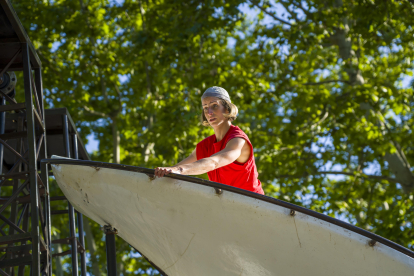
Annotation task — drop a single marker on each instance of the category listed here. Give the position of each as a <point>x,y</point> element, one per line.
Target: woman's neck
<point>221,130</point>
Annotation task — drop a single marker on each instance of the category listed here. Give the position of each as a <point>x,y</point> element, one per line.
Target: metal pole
<point>16,182</point>
<point>44,171</point>
<point>45,180</point>
<point>110,249</point>
<point>2,127</point>
<point>72,225</point>
<point>79,215</point>
<point>31,140</point>
<point>82,242</point>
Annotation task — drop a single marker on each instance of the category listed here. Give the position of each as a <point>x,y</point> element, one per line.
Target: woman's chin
<point>215,123</point>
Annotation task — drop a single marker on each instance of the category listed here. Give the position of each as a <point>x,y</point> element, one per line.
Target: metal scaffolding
<point>25,234</point>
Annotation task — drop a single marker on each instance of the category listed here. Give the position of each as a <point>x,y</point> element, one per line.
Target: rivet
<point>372,243</point>
<point>292,212</point>
<point>218,191</point>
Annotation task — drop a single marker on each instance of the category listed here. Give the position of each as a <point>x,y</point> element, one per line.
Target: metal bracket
<point>372,242</point>
<point>108,229</point>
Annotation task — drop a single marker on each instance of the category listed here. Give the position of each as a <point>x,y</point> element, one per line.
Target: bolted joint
<point>372,243</point>
<point>108,229</point>
<point>292,212</point>
<point>218,191</point>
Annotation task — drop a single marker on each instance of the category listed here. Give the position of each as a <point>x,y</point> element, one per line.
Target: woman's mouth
<point>213,119</point>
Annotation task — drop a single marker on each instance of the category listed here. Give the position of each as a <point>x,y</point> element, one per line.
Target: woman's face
<point>213,110</point>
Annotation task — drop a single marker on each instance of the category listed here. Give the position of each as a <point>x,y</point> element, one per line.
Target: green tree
<point>331,102</point>
<point>118,68</point>
<point>318,88</point>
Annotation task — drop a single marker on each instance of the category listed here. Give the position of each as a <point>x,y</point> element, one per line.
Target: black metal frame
<point>30,121</point>
<point>24,144</point>
<point>221,188</point>
<point>110,234</point>
<point>29,202</point>
<point>77,244</point>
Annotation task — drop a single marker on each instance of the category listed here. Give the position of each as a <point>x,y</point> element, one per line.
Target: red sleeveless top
<point>240,175</point>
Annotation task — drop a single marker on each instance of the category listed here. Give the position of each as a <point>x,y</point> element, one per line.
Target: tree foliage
<point>318,85</point>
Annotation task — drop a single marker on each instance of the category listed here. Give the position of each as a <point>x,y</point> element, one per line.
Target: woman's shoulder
<point>235,132</point>
<point>207,140</point>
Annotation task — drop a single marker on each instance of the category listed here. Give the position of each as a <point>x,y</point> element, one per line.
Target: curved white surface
<point>186,229</point>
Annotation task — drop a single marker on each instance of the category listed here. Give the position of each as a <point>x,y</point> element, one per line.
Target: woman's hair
<point>231,116</point>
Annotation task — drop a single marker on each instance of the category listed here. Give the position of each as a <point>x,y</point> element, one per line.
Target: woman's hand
<point>161,171</point>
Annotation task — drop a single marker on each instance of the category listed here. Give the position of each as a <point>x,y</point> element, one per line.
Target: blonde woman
<point>227,156</point>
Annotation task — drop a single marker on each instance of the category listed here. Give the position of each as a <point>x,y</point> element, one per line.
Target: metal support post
<point>72,223</point>
<point>45,172</point>
<point>16,184</point>
<point>31,139</point>
<point>110,249</point>
<point>2,127</point>
<point>45,180</point>
<point>82,242</point>
<point>79,215</point>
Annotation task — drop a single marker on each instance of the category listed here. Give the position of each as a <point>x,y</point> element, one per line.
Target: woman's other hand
<point>161,171</point>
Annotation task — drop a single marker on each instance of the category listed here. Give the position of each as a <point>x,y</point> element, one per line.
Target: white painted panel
<point>186,229</point>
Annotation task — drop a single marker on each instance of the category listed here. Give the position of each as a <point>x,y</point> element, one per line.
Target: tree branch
<point>379,177</point>
<point>271,14</point>
<point>93,112</point>
<point>301,7</point>
<point>119,98</point>
<point>320,121</point>
<point>396,145</point>
<point>327,81</point>
<point>286,6</point>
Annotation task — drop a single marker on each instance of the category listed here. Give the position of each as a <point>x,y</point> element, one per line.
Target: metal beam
<point>110,249</point>
<point>71,210</point>
<point>31,139</point>
<point>79,215</point>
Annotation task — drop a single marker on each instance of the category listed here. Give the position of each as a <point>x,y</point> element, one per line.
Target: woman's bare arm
<point>190,159</point>
<point>222,158</point>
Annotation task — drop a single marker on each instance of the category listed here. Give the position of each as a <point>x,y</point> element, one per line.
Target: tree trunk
<point>398,164</point>
<point>120,268</point>
<point>91,246</point>
<point>59,269</point>
<point>115,142</point>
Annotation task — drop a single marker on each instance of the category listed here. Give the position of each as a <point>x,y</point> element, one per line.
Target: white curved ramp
<point>187,229</point>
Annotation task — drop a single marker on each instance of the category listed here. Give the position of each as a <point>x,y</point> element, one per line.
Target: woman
<point>227,156</point>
